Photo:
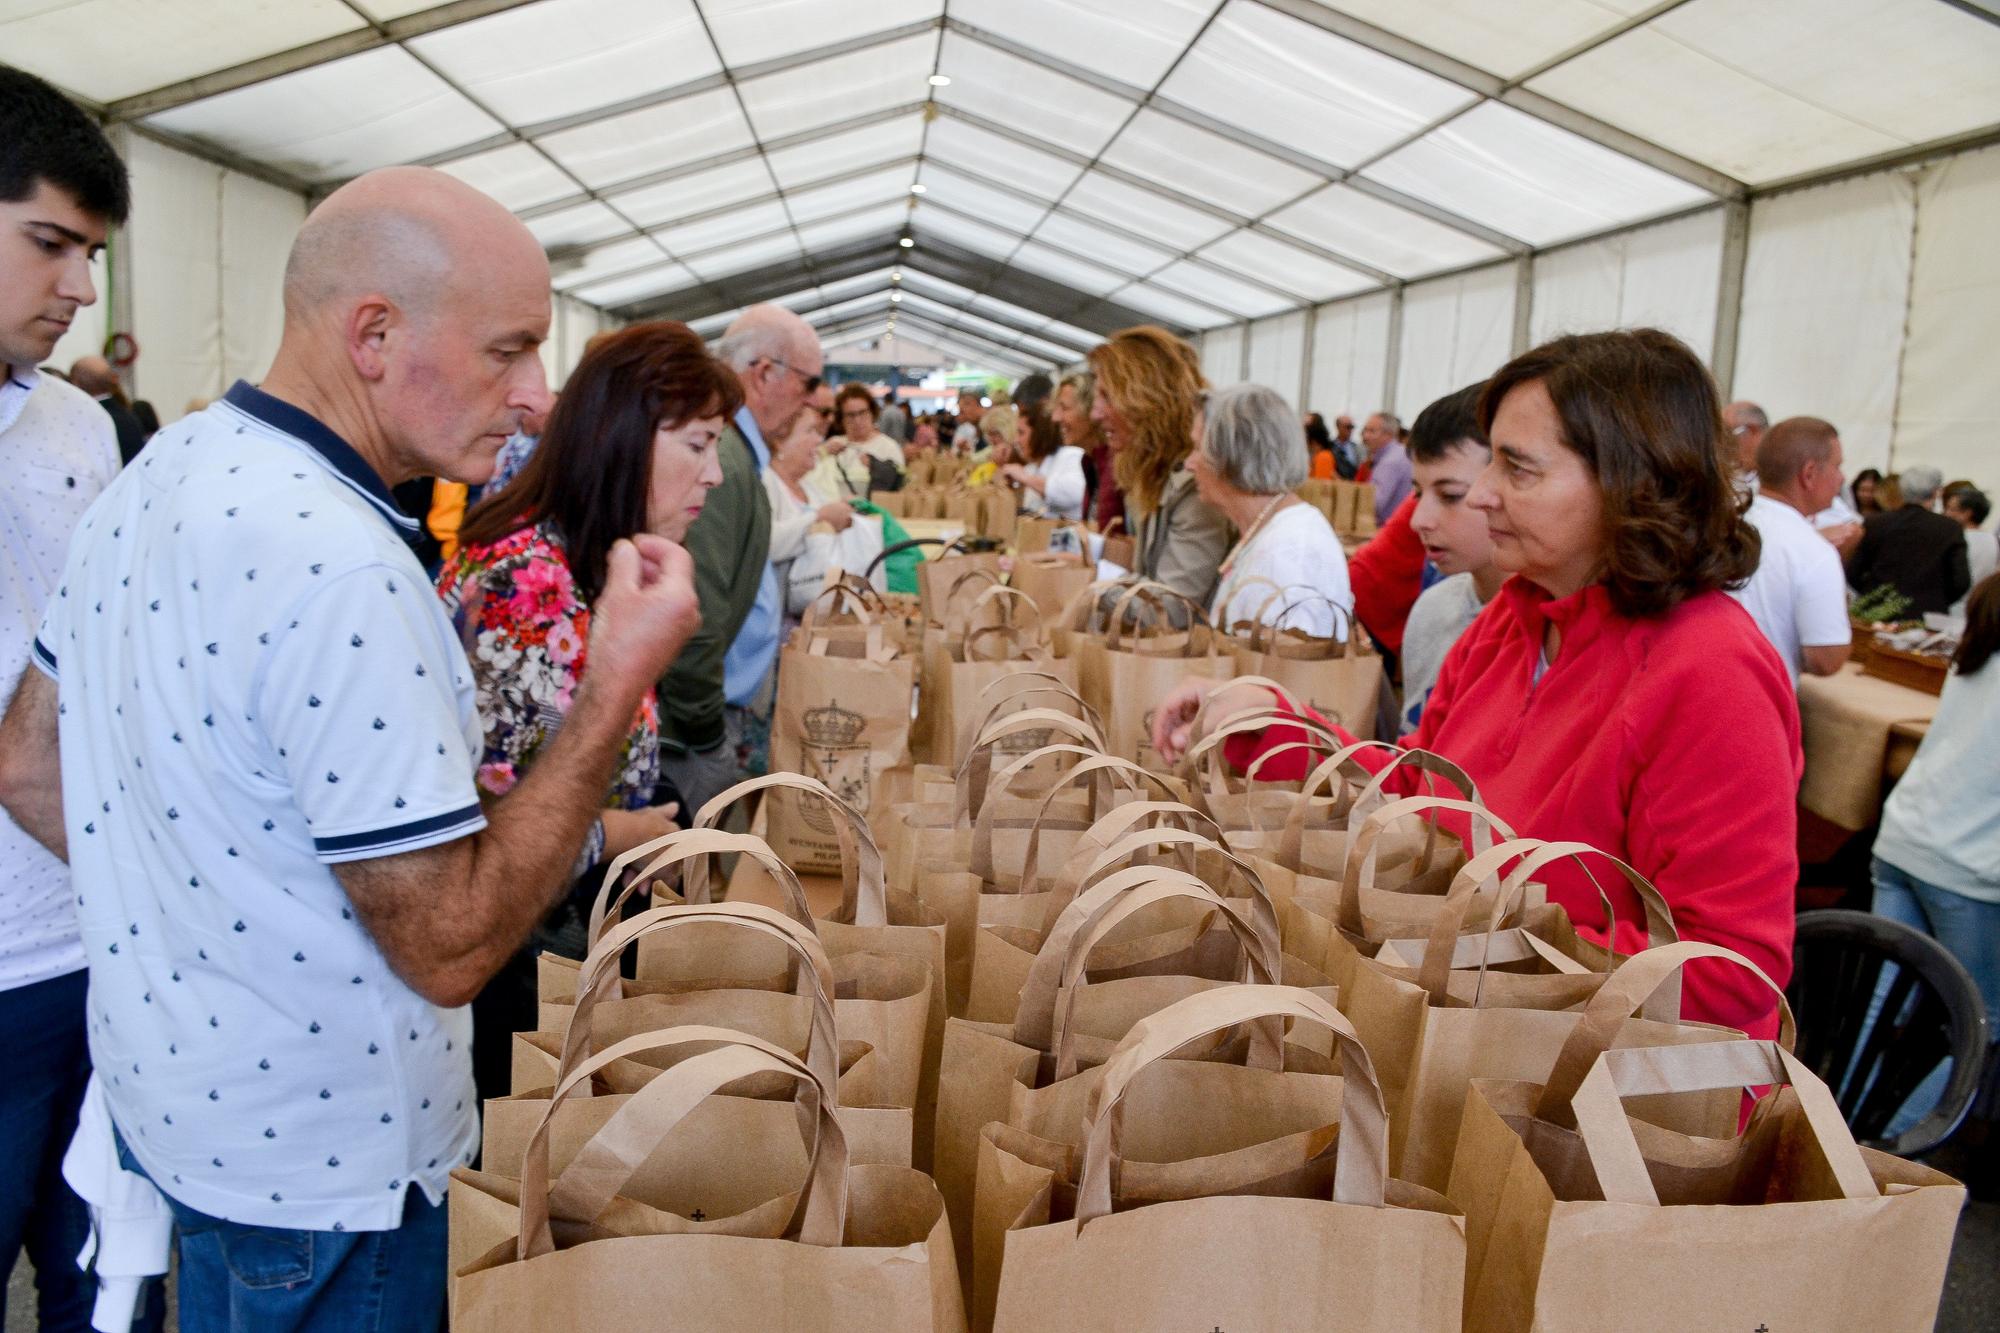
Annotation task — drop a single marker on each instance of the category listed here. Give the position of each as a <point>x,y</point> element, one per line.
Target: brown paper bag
<point>1339,678</point>
<point>1051,580</point>
<point>995,636</point>
<point>870,1242</point>
<point>1368,1254</point>
<point>843,718</point>
<point>1132,671</point>
<point>1497,1004</point>
<point>1066,1018</point>
<point>1582,1216</point>
<point>941,578</point>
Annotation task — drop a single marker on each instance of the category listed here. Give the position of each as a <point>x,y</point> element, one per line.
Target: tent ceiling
<point>1196,162</point>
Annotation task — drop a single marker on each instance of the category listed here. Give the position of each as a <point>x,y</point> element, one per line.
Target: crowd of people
<point>291,814</point>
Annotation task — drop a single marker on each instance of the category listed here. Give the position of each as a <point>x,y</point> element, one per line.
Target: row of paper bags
<point>1003,981</point>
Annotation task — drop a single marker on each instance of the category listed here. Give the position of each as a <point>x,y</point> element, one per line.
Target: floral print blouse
<point>526,630</point>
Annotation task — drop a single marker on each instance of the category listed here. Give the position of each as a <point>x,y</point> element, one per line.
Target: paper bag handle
<point>1644,1071</point>
<point>599,976</point>
<point>625,1141</point>
<point>1065,953</point>
<point>1621,996</point>
<point>688,846</point>
<point>1104,776</point>
<point>1361,1162</point>
<point>1363,846</point>
<point>1264,912</point>
<point>864,894</point>
<point>1109,763</point>
<point>1343,764</point>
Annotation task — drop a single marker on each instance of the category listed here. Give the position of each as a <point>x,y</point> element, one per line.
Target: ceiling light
<point>895,296</point>
<point>919,188</point>
<point>908,242</point>
<point>940,80</point>
<point>895,275</point>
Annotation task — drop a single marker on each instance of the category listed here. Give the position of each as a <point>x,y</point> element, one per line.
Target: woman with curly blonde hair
<point>1149,394</point>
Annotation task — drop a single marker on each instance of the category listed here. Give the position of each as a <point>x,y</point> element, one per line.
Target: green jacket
<point>730,543</point>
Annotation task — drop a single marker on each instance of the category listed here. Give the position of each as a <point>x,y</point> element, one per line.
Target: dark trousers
<point>48,1066</point>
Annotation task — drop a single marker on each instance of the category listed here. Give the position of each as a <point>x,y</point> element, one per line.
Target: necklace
<point>1250,533</point>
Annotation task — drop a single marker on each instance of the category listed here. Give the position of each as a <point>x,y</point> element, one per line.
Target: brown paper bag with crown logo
<point>842,717</point>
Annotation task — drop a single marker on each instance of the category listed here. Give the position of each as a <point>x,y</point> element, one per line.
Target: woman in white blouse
<point>1250,454</point>
<point>1051,482</point>
<point>796,510</point>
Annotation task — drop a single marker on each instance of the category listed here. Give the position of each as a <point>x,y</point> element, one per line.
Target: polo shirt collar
<point>335,452</point>
<point>19,382</point>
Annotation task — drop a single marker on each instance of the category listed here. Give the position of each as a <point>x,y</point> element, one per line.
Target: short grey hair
<point>1391,420</point>
<point>1255,439</point>
<point>763,332</point>
<point>1920,483</point>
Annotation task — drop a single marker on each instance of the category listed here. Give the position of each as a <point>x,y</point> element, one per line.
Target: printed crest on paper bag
<point>835,754</point>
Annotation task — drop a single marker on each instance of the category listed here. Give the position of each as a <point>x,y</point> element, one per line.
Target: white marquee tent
<point>1362,203</point>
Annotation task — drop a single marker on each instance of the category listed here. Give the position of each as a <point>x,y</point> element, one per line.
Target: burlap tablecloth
<point>1846,720</point>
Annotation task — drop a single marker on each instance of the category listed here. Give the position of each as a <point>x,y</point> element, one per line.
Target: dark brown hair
<point>590,475</point>
<point>1641,411</point>
<point>1982,626</point>
<point>1043,437</point>
<point>853,390</point>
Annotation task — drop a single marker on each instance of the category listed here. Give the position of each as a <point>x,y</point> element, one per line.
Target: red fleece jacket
<point>1387,574</point>
<point>1670,742</point>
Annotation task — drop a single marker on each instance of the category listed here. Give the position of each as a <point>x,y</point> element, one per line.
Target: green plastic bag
<point>899,569</point>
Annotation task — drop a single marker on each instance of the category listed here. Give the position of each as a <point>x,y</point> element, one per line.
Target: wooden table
<point>943,528</point>
<point>1860,734</point>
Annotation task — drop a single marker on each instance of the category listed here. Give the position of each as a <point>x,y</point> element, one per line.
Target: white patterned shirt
<point>256,682</point>
<point>57,452</point>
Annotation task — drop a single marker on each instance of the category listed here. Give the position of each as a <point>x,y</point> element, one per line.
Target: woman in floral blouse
<point>630,447</point>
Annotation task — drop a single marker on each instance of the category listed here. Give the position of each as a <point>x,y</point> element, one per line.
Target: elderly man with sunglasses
<point>724,672</point>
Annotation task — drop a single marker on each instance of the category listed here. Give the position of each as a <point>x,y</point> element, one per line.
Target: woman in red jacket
<point>1612,693</point>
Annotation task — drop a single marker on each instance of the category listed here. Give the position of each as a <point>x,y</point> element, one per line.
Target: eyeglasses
<point>812,381</point>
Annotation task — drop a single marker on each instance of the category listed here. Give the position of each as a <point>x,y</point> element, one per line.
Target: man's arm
<point>691,691</point>
<point>1825,659</point>
<point>447,917</point>
<point>1957,572</point>
<point>31,763</point>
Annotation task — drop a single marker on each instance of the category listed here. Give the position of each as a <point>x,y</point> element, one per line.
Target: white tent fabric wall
<point>1222,354</point>
<point>258,222</point>
<point>1455,330</point>
<point>1277,354</point>
<point>1664,277</point>
<point>1350,357</point>
<point>1948,413</point>
<point>176,282</point>
<point>1825,292</point>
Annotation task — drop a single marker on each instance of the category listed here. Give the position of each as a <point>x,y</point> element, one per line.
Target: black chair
<point>1930,1011</point>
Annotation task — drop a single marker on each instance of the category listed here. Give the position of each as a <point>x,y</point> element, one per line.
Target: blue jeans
<point>1968,928</point>
<point>251,1279</point>
<point>48,1066</point>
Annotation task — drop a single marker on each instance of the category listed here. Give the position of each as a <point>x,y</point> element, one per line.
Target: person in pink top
<point>1613,693</point>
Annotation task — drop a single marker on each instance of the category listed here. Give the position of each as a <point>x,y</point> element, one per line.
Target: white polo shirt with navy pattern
<point>256,681</point>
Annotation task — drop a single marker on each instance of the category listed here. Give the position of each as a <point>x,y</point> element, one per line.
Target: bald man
<point>708,695</point>
<point>94,375</point>
<point>287,886</point>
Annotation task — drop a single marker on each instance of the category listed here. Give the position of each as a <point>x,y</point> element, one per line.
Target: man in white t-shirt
<point>1798,596</point>
<point>252,734</point>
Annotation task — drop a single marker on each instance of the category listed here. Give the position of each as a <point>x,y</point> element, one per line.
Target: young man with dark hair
<point>61,189</point>
<point>1448,451</point>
